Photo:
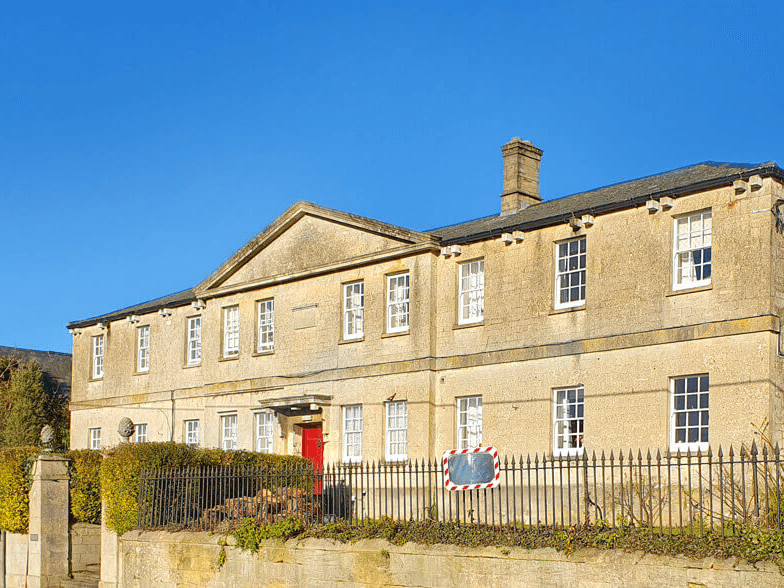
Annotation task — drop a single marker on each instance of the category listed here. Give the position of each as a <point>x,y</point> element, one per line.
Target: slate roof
<point>678,182</point>
<point>182,298</point>
<point>57,365</point>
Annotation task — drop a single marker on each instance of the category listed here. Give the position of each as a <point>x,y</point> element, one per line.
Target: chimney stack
<point>521,176</point>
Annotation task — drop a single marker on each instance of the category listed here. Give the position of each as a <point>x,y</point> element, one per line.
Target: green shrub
<point>85,469</point>
<point>122,466</point>
<point>15,467</point>
<point>251,532</point>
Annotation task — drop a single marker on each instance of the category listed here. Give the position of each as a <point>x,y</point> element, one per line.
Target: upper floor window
<point>398,296</point>
<point>143,349</point>
<point>98,349</point>
<point>264,432</point>
<point>397,431</point>
<point>568,421</point>
<point>692,251</point>
<point>194,340</point>
<point>95,438</point>
<point>141,433</point>
<point>469,422</point>
<point>471,294</point>
<point>570,273</point>
<point>353,310</point>
<point>266,335</point>
<point>231,331</point>
<point>689,413</point>
<point>352,433</point>
<point>192,432</point>
<point>229,431</point>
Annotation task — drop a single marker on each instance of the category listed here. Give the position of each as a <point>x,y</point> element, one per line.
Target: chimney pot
<point>521,175</point>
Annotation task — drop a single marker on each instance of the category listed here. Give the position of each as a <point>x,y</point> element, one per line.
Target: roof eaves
<point>768,169</point>
<point>182,298</point>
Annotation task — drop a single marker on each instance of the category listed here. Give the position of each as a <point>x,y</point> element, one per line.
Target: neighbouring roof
<point>54,363</point>
<point>678,182</point>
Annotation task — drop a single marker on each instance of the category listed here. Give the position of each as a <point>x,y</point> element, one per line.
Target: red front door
<point>313,449</point>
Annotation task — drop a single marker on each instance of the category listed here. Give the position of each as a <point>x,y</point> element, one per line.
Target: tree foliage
<point>28,401</point>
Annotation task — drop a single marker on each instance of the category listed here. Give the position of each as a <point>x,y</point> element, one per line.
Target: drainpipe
<point>171,423</point>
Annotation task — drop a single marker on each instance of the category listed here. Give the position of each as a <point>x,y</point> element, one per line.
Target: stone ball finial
<point>126,428</point>
<point>47,438</point>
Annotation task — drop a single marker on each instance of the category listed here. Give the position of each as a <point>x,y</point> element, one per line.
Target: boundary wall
<point>188,559</point>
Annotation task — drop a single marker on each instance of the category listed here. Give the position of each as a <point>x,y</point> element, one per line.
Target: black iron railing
<point>672,492</point>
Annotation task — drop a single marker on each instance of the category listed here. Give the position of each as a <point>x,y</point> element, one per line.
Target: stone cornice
<point>362,260</point>
<point>291,216</point>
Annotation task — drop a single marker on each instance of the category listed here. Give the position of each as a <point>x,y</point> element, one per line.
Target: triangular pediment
<point>305,238</point>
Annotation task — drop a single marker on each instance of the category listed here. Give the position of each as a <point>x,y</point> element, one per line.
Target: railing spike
<point>720,452</point>
<point>649,455</point>
<point>754,447</point>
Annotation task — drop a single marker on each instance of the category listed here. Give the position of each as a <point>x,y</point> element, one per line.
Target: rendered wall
<point>16,560</point>
<point>189,560</point>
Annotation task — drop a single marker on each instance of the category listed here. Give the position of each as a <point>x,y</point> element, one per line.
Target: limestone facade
<point>620,349</point>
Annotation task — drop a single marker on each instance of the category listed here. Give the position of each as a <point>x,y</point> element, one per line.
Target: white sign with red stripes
<point>476,468</point>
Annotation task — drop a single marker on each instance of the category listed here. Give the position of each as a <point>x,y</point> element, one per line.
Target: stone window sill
<point>347,341</point>
<point>263,353</point>
<point>400,334</point>
<point>690,290</point>
<point>468,325</point>
<point>566,310</point>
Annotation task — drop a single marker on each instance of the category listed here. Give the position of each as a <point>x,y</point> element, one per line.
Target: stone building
<point>642,314</point>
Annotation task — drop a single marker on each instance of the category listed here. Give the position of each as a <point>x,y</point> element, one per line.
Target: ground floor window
<point>568,417</point>
<point>192,432</point>
<point>469,422</point>
<point>689,413</point>
<point>264,432</point>
<point>229,431</point>
<point>397,431</point>
<point>141,433</point>
<point>352,433</point>
<point>95,438</point>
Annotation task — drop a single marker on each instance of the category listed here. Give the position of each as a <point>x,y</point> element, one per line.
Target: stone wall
<point>16,560</point>
<point>85,546</point>
<point>85,552</point>
<point>190,559</point>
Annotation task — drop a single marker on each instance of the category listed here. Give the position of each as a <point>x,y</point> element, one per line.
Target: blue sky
<point>140,146</point>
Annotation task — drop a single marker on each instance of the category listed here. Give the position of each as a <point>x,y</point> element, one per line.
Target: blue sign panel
<point>471,468</point>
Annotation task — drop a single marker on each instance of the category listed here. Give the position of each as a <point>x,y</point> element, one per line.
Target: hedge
<point>85,469</point>
<point>122,466</point>
<point>15,466</point>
